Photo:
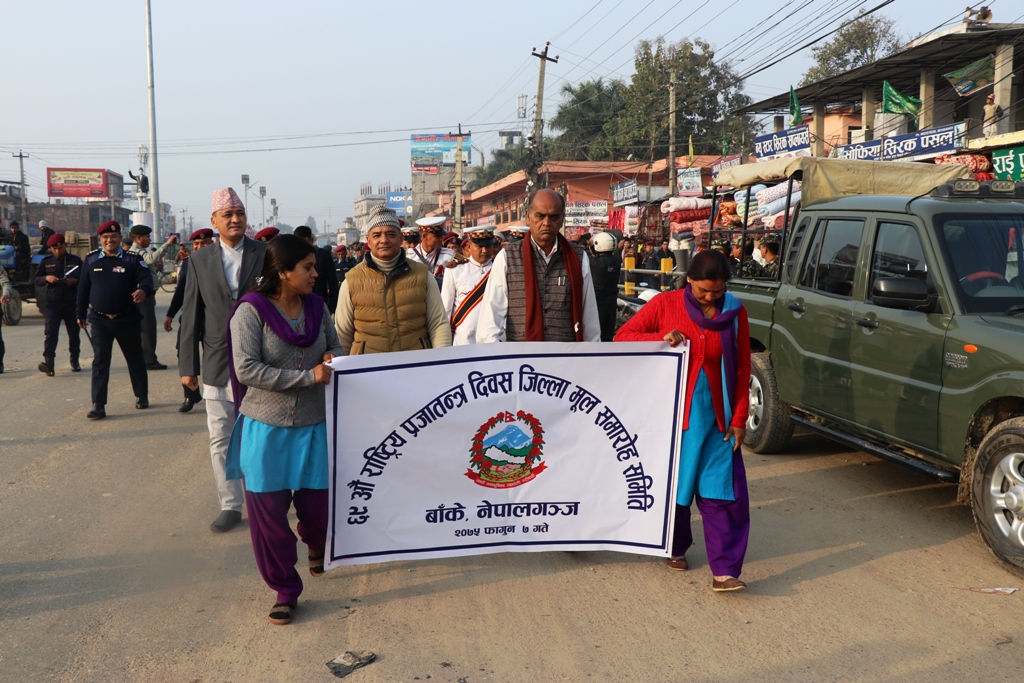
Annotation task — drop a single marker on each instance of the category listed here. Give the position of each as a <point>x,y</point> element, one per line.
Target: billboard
<point>793,142</point>
<point>400,202</point>
<point>438,149</point>
<point>579,214</point>
<point>84,182</point>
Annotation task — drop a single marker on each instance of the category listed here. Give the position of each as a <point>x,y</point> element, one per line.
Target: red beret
<point>201,234</point>
<point>267,234</point>
<point>55,239</point>
<point>341,247</point>
<point>109,226</point>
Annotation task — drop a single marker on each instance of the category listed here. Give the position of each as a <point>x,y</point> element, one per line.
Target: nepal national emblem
<point>506,451</point>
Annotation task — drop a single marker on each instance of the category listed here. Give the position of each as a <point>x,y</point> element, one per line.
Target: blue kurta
<point>705,465</point>
<point>278,458</point>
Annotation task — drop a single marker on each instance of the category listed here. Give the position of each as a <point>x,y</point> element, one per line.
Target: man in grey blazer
<point>217,276</point>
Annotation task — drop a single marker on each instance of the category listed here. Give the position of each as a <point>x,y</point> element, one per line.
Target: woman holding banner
<point>280,339</point>
<point>715,411</point>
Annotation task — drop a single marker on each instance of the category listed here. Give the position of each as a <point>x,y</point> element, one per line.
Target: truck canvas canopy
<point>823,179</point>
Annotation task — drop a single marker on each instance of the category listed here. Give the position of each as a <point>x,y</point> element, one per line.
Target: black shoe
<point>186,406</point>
<point>98,412</point>
<point>75,367</point>
<point>227,521</point>
<point>142,403</point>
<point>156,365</point>
<point>46,367</point>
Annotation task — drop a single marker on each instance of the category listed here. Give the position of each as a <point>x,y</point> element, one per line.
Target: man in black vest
<point>59,274</point>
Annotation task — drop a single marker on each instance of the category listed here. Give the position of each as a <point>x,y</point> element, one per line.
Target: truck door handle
<point>867,322</point>
<point>799,308</point>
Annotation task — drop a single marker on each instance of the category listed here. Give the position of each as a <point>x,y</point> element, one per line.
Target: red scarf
<point>534,312</point>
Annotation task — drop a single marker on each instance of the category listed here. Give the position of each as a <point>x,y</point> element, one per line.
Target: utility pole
<point>245,184</point>
<point>154,179</point>
<point>263,193</point>
<point>537,156</point>
<point>183,221</point>
<point>20,156</point>
<point>458,178</point>
<point>273,211</point>
<point>672,180</point>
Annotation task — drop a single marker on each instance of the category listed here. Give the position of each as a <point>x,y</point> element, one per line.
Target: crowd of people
<point>260,320</point>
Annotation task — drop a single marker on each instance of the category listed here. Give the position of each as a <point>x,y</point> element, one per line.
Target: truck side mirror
<point>904,293</point>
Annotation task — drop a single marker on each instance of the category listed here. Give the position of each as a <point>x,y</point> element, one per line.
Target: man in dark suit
<point>326,284</point>
<point>200,238</point>
<point>217,276</point>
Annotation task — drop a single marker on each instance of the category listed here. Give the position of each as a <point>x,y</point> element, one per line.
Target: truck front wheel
<point>998,493</point>
<point>769,429</point>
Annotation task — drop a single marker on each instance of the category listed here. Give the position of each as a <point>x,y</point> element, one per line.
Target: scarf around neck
<point>727,308</point>
<point>534,310</point>
<point>312,307</point>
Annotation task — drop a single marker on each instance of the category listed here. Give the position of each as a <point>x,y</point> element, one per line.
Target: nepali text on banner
<point>922,144</point>
<point>503,447</point>
<point>786,143</point>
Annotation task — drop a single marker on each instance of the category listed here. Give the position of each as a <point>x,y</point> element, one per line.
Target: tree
<point>860,42</point>
<point>585,110</point>
<point>311,222</point>
<point>707,92</point>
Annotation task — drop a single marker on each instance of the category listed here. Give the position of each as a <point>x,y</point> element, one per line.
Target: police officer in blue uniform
<point>59,274</point>
<point>114,282</point>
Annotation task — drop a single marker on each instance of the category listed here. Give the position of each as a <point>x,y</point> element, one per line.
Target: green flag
<point>895,103</point>
<point>796,117</point>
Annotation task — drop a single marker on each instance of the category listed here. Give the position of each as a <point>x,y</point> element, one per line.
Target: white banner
<point>503,447</point>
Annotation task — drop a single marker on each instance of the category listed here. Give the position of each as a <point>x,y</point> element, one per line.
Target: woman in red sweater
<point>715,411</point>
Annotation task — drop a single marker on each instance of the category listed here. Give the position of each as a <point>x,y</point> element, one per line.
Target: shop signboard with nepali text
<point>689,182</point>
<point>579,214</point>
<point>1008,164</point>
<point>794,142</point>
<point>517,447</point>
<point>922,144</point>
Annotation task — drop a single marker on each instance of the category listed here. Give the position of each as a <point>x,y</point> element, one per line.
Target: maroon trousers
<point>273,542</point>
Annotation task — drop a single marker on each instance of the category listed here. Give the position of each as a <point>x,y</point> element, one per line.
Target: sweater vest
<point>390,311</point>
<point>555,294</point>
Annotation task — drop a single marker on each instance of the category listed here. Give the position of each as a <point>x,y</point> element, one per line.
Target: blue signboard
<point>400,202</point>
<point>439,150</point>
<point>786,143</point>
<point>919,145</point>
<point>625,193</point>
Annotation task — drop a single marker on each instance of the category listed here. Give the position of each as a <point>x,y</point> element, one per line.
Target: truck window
<point>832,258</point>
<point>984,251</point>
<point>898,253</point>
<point>796,238</point>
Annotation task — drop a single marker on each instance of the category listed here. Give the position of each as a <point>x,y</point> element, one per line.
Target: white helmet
<point>603,242</point>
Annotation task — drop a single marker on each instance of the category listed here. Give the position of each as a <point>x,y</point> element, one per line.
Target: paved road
<point>108,572</point>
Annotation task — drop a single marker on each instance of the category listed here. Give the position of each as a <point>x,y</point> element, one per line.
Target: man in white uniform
<point>464,281</point>
<point>429,252</point>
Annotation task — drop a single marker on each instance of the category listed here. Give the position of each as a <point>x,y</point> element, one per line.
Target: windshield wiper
<point>1014,310</point>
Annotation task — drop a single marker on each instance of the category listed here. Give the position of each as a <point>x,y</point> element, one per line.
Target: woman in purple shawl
<point>280,339</point>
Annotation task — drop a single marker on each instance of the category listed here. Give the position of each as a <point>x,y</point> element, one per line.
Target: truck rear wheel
<point>769,429</point>
<point>997,493</point>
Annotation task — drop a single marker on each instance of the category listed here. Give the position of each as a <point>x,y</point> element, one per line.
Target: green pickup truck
<point>896,326</point>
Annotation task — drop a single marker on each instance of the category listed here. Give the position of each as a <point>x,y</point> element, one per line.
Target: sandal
<point>316,562</point>
<point>281,613</point>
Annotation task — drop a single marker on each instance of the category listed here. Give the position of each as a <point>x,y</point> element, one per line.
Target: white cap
<point>43,224</point>
<point>431,221</point>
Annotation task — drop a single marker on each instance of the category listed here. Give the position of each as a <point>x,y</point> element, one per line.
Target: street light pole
<point>245,183</point>
<point>154,179</point>
<point>263,193</point>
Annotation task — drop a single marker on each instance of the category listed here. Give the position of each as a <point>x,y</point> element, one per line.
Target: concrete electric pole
<point>20,156</point>
<point>537,149</point>
<point>458,178</point>
<point>672,180</point>
<point>263,194</point>
<point>154,179</point>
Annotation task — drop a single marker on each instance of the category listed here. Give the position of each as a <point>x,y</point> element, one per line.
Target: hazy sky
<point>347,80</point>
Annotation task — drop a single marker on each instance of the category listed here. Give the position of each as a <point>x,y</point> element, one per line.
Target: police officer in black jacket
<point>604,270</point>
<point>59,273</point>
<point>114,282</point>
